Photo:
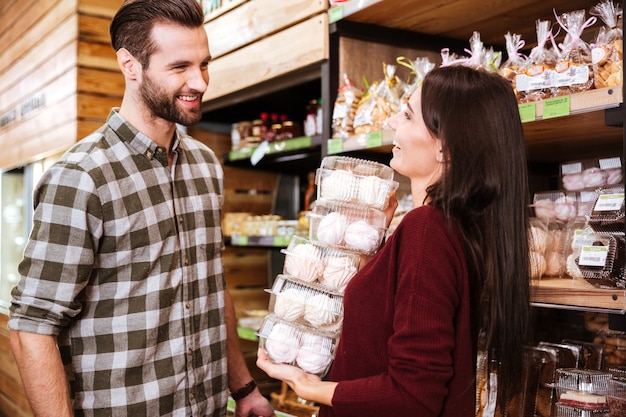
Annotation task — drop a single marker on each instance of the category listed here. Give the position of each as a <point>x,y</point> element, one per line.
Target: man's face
<point>173,84</point>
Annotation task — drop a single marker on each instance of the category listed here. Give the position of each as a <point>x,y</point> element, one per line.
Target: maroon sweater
<point>406,347</point>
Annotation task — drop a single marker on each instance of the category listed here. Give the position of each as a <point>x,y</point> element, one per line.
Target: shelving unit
<point>582,125</point>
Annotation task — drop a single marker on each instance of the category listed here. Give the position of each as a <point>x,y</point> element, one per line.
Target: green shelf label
<point>335,145</point>
<point>335,14</point>
<point>556,107</point>
<point>246,333</point>
<point>527,112</point>
<point>374,139</point>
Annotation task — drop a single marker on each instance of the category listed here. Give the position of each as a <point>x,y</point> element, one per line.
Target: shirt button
<point>191,396</point>
<point>190,351</point>
<point>186,261</point>
<point>187,306</point>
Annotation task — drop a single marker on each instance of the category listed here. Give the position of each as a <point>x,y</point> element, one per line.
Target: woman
<point>456,263</point>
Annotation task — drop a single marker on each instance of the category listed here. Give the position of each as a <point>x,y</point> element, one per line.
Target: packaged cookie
<point>346,103</point>
<point>419,68</point>
<point>573,72</point>
<point>607,54</point>
<point>381,102</point>
<point>515,61</point>
<point>534,81</point>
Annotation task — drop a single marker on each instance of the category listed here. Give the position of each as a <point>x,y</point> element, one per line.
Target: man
<point>122,291</point>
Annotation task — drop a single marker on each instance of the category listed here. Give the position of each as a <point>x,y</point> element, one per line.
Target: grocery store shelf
<point>259,241</point>
<point>349,8</point>
<point>577,294</point>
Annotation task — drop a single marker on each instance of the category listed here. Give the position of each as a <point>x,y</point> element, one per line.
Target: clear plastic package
<point>354,180</point>
<point>537,245</point>
<point>313,261</point>
<point>608,211</point>
<point>555,205</point>
<point>589,174</point>
<point>311,350</point>
<point>616,397</point>
<point>349,226</point>
<point>601,259</point>
<point>582,388</point>
<point>305,303</point>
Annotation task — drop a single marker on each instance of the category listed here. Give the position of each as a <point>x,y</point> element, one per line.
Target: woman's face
<point>417,154</point>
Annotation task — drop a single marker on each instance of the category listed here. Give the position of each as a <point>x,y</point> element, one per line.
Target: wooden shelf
<point>570,293</point>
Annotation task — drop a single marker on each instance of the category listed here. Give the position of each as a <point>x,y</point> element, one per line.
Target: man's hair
<point>131,27</point>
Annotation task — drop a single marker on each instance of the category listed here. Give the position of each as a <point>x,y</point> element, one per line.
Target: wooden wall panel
<point>43,29</point>
<point>256,19</point>
<point>103,82</point>
<point>39,55</point>
<point>32,83</point>
<point>361,59</point>
<point>291,49</point>
<point>97,55</point>
<point>103,8</point>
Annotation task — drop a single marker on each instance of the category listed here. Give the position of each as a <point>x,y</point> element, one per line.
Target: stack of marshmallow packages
<point>306,301</point>
<point>578,231</point>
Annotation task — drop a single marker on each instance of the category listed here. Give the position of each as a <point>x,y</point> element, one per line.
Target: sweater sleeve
<point>427,269</point>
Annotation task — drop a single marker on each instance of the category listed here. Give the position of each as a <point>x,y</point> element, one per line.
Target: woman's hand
<point>391,208</point>
<point>307,386</point>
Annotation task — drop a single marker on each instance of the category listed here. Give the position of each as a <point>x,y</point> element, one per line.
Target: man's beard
<point>165,107</point>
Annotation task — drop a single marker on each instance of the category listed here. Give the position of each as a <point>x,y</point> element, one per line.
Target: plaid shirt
<point>124,266</point>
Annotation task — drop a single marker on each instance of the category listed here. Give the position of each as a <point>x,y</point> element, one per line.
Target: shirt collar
<point>137,140</point>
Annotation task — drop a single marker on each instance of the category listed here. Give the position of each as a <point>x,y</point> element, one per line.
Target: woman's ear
<point>128,64</point>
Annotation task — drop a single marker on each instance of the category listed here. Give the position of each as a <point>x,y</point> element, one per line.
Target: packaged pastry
<point>616,397</point>
<point>582,388</point>
<point>537,244</point>
<point>590,356</point>
<point>555,205</point>
<point>312,350</point>
<point>608,211</point>
<point>380,103</point>
<point>573,72</point>
<point>349,226</point>
<point>354,180</point>
<point>589,174</point>
<point>601,259</point>
<point>312,261</point>
<point>306,303</point>
<point>344,111</point>
<point>607,54</point>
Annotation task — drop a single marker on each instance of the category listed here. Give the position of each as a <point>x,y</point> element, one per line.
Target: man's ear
<point>128,64</point>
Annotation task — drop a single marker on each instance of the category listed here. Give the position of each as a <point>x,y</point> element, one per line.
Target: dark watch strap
<point>243,391</point>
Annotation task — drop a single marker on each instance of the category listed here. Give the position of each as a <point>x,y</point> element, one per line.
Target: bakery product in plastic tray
<point>345,225</point>
<point>564,410</point>
<point>591,173</point>
<point>608,211</point>
<point>314,261</point>
<point>357,166</point>
<point>555,205</point>
<point>600,259</point>
<point>355,181</point>
<point>309,349</point>
<point>305,303</point>
<point>582,388</point>
<point>616,397</point>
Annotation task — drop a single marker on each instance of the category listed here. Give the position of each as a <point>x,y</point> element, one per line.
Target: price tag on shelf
<point>335,145</point>
<point>335,14</point>
<point>593,255</point>
<point>609,202</point>
<point>556,107</point>
<point>259,152</point>
<point>527,112</point>
<point>374,139</point>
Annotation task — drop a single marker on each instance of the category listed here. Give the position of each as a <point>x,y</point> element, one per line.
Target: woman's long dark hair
<point>484,190</point>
